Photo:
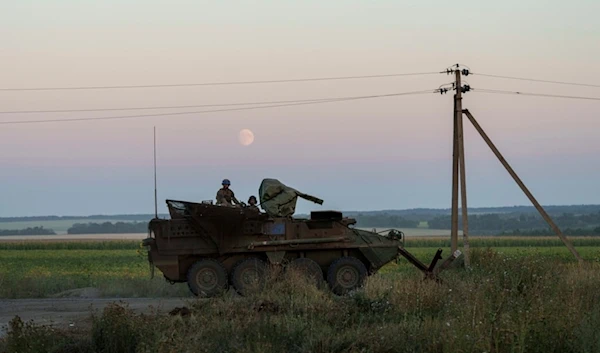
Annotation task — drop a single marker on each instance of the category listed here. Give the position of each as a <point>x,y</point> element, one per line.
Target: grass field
<point>528,295</point>
<point>36,269</point>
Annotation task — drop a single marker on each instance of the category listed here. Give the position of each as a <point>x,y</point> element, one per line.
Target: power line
<point>341,99</point>
<point>536,80</point>
<point>217,83</point>
<point>532,94</point>
<point>173,106</point>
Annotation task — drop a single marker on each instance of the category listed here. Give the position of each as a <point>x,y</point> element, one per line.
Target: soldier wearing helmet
<point>225,195</point>
<point>252,203</point>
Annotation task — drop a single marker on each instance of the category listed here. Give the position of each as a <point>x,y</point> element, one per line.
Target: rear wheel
<point>249,275</point>
<point>207,278</point>
<point>308,268</point>
<point>346,274</point>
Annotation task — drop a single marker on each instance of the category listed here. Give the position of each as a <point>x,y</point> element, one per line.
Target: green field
<point>44,269</point>
<point>35,269</point>
<point>527,295</point>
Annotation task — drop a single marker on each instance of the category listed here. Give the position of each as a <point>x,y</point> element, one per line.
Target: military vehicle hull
<point>213,247</point>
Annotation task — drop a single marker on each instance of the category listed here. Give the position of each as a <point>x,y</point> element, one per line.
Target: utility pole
<point>462,172</point>
<point>459,173</point>
<point>459,170</point>
<point>455,152</point>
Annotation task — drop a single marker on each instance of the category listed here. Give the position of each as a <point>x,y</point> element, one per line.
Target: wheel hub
<point>250,277</point>
<point>347,277</point>
<point>207,278</point>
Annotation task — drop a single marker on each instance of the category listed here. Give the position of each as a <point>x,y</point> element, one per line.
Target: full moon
<point>246,137</point>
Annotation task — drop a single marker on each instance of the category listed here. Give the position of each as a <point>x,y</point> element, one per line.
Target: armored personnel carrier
<point>212,247</point>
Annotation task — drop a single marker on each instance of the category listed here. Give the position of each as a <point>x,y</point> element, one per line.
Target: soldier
<point>225,195</point>
<point>252,203</point>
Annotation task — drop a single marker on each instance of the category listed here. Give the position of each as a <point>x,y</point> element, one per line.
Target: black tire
<point>249,275</point>
<point>309,268</point>
<point>207,278</point>
<point>346,274</point>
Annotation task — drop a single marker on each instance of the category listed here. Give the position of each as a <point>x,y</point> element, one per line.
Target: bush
<point>501,304</point>
<point>26,337</point>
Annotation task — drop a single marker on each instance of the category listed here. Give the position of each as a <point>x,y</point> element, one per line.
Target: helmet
<point>226,182</point>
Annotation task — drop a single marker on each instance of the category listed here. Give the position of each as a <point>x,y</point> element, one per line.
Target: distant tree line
<point>523,222</point>
<point>384,220</point>
<point>417,214</point>
<point>27,231</point>
<point>108,228</point>
<point>567,231</point>
<point>121,217</point>
<point>427,214</point>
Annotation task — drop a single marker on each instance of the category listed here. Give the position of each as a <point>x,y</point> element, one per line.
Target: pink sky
<point>401,144</point>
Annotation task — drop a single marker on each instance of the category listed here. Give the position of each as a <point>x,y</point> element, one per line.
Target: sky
<point>385,153</point>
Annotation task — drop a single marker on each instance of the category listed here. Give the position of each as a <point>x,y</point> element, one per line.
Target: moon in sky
<point>246,137</point>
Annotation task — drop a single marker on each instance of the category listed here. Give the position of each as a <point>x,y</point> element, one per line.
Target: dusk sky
<point>385,153</point>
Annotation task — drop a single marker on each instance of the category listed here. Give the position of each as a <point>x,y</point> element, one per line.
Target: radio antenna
<point>155,195</point>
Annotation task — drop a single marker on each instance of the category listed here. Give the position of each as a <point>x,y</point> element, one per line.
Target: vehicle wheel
<point>249,275</point>
<point>346,274</point>
<point>309,268</point>
<point>207,278</point>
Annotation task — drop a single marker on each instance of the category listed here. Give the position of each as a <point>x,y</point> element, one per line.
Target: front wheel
<point>207,278</point>
<point>346,274</point>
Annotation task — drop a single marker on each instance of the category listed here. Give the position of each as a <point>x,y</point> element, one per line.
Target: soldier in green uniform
<point>225,195</point>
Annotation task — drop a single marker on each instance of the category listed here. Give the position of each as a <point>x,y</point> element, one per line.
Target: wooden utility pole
<point>455,157</point>
<point>459,173</point>
<point>522,186</point>
<point>462,172</point>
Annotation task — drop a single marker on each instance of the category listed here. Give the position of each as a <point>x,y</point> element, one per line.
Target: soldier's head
<point>252,200</point>
<point>226,183</point>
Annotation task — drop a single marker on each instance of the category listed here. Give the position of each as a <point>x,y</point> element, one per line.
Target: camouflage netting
<point>279,200</point>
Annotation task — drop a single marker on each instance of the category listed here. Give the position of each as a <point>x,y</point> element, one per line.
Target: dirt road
<point>73,312</point>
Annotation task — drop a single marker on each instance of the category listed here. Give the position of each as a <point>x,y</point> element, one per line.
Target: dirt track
<point>73,312</point>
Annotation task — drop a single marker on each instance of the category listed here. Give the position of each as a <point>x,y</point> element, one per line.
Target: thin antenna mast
<point>155,195</point>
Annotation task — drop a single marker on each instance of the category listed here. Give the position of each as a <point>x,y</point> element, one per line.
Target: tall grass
<point>503,304</point>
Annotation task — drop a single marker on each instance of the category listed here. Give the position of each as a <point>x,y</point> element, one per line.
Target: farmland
<point>37,269</point>
<point>523,295</point>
